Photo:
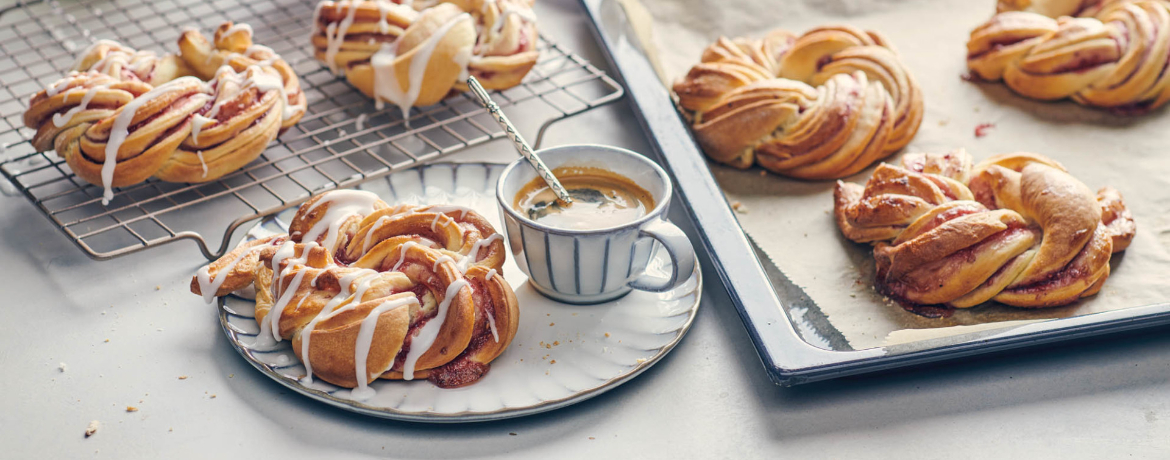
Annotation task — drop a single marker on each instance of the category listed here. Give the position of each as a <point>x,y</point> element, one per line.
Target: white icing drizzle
<point>208,286</point>
<point>430,331</point>
<point>373,228</point>
<point>264,81</point>
<point>197,122</point>
<point>383,8</point>
<point>202,163</point>
<point>365,340</point>
<point>446,208</point>
<point>237,28</point>
<point>438,216</point>
<point>386,84</point>
<point>335,34</point>
<point>492,325</point>
<point>120,131</point>
<point>439,261</point>
<point>525,14</point>
<point>402,254</point>
<point>259,79</point>
<point>345,294</point>
<point>89,49</point>
<point>60,119</point>
<point>253,48</point>
<point>360,123</point>
<point>56,87</point>
<point>473,255</point>
<point>285,297</point>
<point>491,318</point>
<point>316,19</point>
<point>269,333</point>
<point>342,205</point>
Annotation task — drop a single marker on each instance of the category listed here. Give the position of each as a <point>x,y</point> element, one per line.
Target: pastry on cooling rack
<point>825,104</point>
<point>1102,53</point>
<point>416,53</point>
<point>365,290</point>
<point>122,115</point>
<point>1015,228</point>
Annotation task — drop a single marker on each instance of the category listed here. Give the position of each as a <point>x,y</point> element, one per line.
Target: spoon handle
<point>521,145</point>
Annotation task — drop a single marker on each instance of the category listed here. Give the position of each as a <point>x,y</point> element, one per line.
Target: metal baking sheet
<point>796,342</point>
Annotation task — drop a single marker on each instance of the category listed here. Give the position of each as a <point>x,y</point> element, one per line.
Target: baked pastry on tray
<point>123,115</point>
<point>1016,228</point>
<point>1102,53</point>
<point>822,105</point>
<point>416,53</point>
<point>362,288</point>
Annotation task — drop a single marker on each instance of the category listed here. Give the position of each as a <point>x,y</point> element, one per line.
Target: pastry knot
<point>123,115</point>
<point>1106,53</point>
<point>825,104</point>
<point>1015,228</point>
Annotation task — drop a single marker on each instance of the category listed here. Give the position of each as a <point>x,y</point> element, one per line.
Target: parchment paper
<point>791,219</point>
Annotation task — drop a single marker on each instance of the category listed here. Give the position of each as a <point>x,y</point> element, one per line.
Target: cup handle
<point>682,257</point>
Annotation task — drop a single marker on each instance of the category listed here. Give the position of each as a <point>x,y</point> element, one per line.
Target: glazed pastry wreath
<point>822,105</point>
<point>122,115</point>
<point>1016,228</point>
<point>416,53</point>
<point>365,289</point>
<point>1104,53</point>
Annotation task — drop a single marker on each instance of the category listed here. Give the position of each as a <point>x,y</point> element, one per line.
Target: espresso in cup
<point>601,199</point>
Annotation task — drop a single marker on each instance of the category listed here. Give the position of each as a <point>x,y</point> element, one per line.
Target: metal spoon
<point>521,145</point>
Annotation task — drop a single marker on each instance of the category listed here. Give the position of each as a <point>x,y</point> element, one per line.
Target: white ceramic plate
<point>562,354</point>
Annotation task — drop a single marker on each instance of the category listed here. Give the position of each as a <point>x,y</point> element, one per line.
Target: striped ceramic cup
<point>597,265</point>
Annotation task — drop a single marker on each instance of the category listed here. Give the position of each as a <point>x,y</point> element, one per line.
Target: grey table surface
<point>709,398</point>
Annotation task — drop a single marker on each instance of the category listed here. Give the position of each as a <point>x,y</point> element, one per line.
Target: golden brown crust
<point>1108,54</point>
<point>374,44</point>
<point>822,105</point>
<point>192,120</point>
<point>1035,237</point>
<point>247,257</point>
<point>351,262</point>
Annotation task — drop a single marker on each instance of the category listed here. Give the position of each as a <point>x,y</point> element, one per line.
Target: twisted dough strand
<point>825,104</point>
<point>1107,53</point>
<point>1016,228</point>
<point>394,292</point>
<point>417,53</point>
<point>123,115</point>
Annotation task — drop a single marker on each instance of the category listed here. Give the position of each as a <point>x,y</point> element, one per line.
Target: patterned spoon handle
<point>521,145</point>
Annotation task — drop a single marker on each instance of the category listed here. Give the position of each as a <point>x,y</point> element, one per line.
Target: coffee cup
<point>595,265</point>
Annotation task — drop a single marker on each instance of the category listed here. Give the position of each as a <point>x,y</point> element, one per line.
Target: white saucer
<point>562,354</point>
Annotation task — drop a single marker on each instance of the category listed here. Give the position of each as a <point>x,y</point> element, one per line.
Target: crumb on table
<point>92,428</point>
<point>131,409</point>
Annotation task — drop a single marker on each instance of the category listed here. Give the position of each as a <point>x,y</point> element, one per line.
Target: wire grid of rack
<point>341,142</point>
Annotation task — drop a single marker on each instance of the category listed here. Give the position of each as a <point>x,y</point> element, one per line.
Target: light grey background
<point>709,398</point>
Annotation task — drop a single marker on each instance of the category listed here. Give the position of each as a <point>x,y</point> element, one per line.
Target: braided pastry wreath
<point>365,289</point>
<point>1104,53</point>
<point>122,116</point>
<point>1015,228</point>
<point>417,53</point>
<point>822,105</point>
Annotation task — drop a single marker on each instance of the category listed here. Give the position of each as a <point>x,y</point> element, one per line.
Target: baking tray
<point>794,340</point>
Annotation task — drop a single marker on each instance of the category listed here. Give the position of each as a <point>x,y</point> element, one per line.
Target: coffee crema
<point>601,199</point>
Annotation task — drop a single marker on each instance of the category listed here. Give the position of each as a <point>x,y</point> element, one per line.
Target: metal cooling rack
<point>341,142</point>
